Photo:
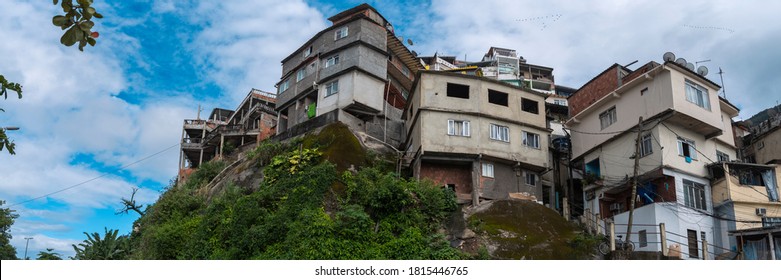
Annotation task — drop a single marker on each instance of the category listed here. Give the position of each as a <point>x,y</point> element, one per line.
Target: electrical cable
<point>94,178</point>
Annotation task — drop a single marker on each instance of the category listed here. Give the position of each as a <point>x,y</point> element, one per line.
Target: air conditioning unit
<point>601,195</point>
<point>615,207</point>
<point>761,211</point>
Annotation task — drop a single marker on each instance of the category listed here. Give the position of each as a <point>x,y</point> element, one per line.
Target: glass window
<point>531,179</point>
<point>687,148</point>
<point>332,88</point>
<point>488,170</point>
<point>457,128</point>
<point>721,156</point>
<point>499,132</point>
<point>284,86</point>
<point>646,145</point>
<point>608,117</point>
<point>301,74</point>
<point>331,61</point>
<point>697,94</point>
<point>531,139</point>
<point>340,33</point>
<point>694,195</point>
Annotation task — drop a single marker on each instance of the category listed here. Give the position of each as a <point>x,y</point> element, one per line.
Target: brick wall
<point>442,174</point>
<point>594,90</point>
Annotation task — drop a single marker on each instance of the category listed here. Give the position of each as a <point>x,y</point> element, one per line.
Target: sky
<point>96,124</point>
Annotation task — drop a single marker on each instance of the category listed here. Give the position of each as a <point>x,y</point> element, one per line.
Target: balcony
<point>194,124</point>
<point>192,143</point>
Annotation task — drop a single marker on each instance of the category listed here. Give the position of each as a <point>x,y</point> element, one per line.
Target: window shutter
<point>466,128</point>
<point>451,129</point>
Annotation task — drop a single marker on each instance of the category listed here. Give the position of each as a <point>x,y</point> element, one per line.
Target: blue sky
<point>89,114</point>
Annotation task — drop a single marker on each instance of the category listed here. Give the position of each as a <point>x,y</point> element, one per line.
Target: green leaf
<point>59,20</point>
<point>98,15</point>
<point>82,43</point>
<point>66,6</point>
<point>71,36</point>
<point>91,10</point>
<point>91,41</point>
<point>86,26</point>
<point>55,2</point>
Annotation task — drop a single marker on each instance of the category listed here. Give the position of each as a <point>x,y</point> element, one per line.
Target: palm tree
<point>49,255</point>
<point>110,247</point>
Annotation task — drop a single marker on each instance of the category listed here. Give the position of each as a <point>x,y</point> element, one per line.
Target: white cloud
<point>241,46</point>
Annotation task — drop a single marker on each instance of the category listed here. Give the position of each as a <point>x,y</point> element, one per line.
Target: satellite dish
<point>668,56</point>
<point>690,66</point>
<point>414,53</point>
<point>702,70</point>
<point>409,41</point>
<point>681,61</point>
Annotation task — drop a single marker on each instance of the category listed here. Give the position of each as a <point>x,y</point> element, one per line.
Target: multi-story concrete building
<point>763,144</point>
<point>253,121</point>
<point>481,137</point>
<point>356,71</point>
<point>745,197</point>
<point>686,126</point>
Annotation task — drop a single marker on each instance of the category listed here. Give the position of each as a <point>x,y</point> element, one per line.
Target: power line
<point>95,178</point>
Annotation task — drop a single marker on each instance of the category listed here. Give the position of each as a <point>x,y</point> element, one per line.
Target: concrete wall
<point>712,116</point>
<point>435,108</point>
<point>771,150</point>
<point>677,219</point>
<point>629,107</point>
<point>615,162</point>
<point>670,153</point>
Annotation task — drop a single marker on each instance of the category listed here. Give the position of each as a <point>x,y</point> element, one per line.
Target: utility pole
<point>25,246</point>
<point>634,179</point>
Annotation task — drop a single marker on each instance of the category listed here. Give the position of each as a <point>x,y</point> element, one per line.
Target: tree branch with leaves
<point>78,22</point>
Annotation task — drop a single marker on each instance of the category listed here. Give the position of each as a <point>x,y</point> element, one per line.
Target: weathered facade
<point>357,66</point>
<point>253,121</point>
<point>686,126</point>
<point>493,133</point>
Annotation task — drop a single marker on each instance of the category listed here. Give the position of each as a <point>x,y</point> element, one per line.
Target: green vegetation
<point>78,22</point>
<point>7,217</point>
<point>111,247</point>
<point>306,208</point>
<point>49,255</point>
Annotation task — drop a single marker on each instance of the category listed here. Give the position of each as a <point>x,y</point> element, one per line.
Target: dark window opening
<point>692,240</point>
<point>451,187</point>
<point>497,97</point>
<point>593,168</point>
<point>643,235</point>
<point>457,90</point>
<point>530,106</point>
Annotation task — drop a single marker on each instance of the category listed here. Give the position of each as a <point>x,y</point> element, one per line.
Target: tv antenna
<point>723,90</point>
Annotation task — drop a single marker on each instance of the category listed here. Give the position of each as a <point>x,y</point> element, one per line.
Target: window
<point>340,33</point>
<point>331,88</point>
<point>457,128</point>
<point>608,117</point>
<point>531,106</point>
<point>497,97</point>
<point>592,167</point>
<point>458,91</point>
<point>531,179</point>
<point>646,146</point>
<point>694,195</point>
<point>694,252</point>
<point>561,102</point>
<point>643,91</point>
<point>308,51</point>
<point>643,235</point>
<point>488,170</point>
<point>697,94</point>
<point>720,156</point>
<point>531,139</point>
<point>499,132</point>
<point>686,148</point>
<point>284,86</point>
<point>301,74</point>
<point>771,221</point>
<point>331,61</point>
